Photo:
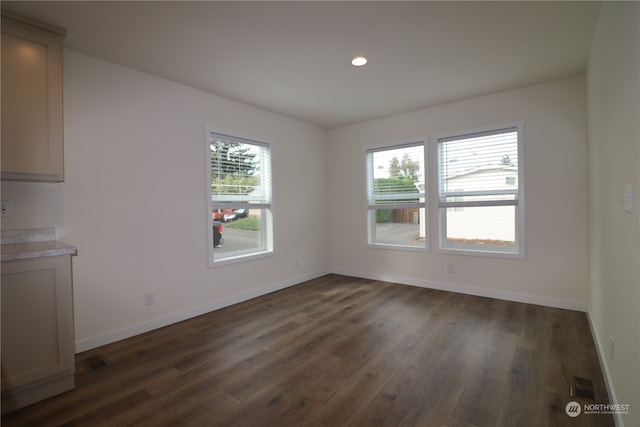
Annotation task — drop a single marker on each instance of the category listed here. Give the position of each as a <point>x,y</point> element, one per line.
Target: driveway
<point>392,231</point>
<point>238,240</point>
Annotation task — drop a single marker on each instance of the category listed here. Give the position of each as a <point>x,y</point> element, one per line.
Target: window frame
<point>440,208</point>
<point>371,207</point>
<point>266,206</point>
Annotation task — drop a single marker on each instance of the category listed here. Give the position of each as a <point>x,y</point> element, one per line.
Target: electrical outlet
<point>612,345</point>
<point>451,269</point>
<point>149,298</point>
<point>5,208</point>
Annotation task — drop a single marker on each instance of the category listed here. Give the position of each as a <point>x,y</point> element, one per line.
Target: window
<point>396,205</point>
<point>239,213</point>
<point>480,192</point>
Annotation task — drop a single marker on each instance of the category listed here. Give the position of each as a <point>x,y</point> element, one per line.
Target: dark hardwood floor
<point>339,351</point>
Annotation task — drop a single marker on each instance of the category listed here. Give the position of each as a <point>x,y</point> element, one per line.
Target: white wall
<point>614,158</point>
<point>134,200</point>
<point>555,271</point>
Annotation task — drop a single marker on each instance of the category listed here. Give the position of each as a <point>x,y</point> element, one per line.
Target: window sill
<point>240,258</point>
<point>399,247</point>
<point>482,253</point>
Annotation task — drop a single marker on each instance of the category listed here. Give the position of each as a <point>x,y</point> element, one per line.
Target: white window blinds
<point>480,197</point>
<point>396,176</point>
<point>240,171</point>
<point>480,169</point>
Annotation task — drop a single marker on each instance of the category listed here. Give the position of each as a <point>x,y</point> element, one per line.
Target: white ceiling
<point>294,58</point>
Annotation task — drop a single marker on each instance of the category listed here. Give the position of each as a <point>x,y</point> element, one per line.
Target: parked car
<point>217,234</point>
<point>218,214</point>
<point>237,214</point>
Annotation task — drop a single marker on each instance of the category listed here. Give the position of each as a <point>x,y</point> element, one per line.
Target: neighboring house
<point>493,223</point>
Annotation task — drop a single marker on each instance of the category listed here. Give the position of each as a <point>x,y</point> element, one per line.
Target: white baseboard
<point>482,292</point>
<point>140,328</point>
<point>617,418</point>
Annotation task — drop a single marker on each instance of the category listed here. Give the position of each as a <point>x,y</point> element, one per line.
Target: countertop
<point>31,244</point>
<point>18,251</point>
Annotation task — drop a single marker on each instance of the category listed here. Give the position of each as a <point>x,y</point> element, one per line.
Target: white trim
<point>439,210</point>
<point>617,418</point>
<point>490,251</point>
<point>239,140</point>
<point>265,203</point>
<point>398,247</point>
<point>415,143</point>
<point>371,206</point>
<point>208,198</point>
<point>140,328</point>
<point>244,257</point>
<point>469,290</point>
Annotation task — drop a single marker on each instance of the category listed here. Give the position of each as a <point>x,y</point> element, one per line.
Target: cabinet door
<point>37,330</point>
<point>32,130</point>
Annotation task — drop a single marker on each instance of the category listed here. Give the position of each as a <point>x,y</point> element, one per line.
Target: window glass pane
<point>399,226</point>
<point>396,175</point>
<point>490,225</point>
<point>478,183</point>
<point>240,171</point>
<point>240,197</point>
<point>241,234</point>
<point>483,162</point>
<point>396,196</point>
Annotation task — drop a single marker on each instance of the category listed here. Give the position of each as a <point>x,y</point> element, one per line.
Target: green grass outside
<point>250,223</point>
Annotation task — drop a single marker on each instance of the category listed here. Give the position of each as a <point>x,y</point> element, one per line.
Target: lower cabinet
<point>37,330</point>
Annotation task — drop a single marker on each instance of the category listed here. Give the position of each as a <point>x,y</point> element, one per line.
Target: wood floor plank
<point>524,391</point>
<point>350,398</point>
<point>456,422</point>
<point>479,402</point>
<point>564,351</point>
<point>392,403</point>
<point>509,316</point>
<point>448,358</point>
<point>195,401</point>
<point>291,397</point>
<point>124,407</point>
<point>339,351</point>
<point>254,374</point>
<point>459,338</point>
<point>443,386</point>
<point>535,328</point>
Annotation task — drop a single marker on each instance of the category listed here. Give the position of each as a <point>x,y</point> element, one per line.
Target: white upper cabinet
<point>32,129</point>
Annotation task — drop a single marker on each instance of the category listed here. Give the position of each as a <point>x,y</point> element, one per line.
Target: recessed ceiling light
<point>358,61</point>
